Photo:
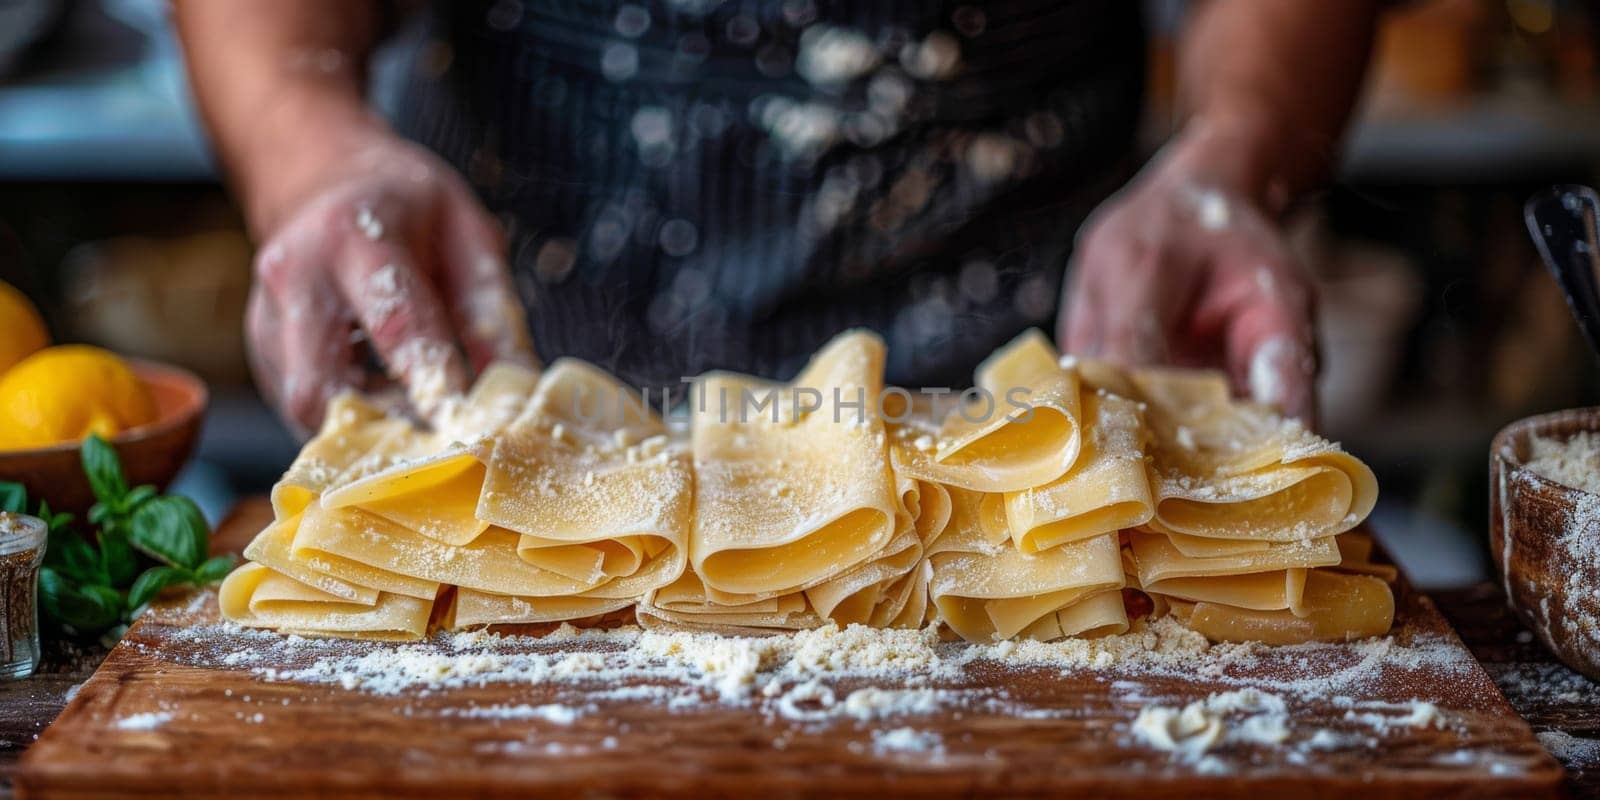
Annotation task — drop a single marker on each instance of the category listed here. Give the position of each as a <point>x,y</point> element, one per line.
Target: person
<point>667,186</point>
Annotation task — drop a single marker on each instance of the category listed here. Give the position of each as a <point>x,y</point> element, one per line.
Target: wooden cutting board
<point>166,715</point>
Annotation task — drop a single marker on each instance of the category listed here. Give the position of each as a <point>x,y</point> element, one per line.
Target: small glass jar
<point>22,542</point>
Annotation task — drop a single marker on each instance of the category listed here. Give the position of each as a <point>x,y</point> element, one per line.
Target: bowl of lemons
<point>53,396</point>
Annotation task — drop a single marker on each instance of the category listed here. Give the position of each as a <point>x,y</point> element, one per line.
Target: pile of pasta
<point>1082,499</point>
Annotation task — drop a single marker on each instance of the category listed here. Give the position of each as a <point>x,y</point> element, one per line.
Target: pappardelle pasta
<point>1056,498</point>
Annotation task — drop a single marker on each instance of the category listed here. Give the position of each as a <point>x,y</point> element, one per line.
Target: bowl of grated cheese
<point>1544,529</point>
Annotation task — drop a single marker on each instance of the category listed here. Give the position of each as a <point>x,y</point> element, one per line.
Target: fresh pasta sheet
<point>1055,498</point>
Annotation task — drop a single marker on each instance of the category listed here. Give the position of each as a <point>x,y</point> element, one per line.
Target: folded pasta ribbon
<point>1021,429</point>
<point>255,595</point>
<point>1234,470</point>
<point>984,588</point>
<point>597,491</point>
<point>351,428</point>
<point>429,481</point>
<point>1334,607</point>
<point>686,604</point>
<point>1105,491</point>
<point>790,492</point>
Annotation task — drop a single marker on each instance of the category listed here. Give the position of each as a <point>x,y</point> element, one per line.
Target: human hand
<point>1182,268</point>
<point>376,238</point>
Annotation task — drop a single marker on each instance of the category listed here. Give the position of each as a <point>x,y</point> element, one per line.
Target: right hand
<point>385,241</point>
<point>1186,267</point>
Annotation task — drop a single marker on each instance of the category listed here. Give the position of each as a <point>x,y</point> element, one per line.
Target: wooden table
<point>28,705</point>
<point>1547,695</point>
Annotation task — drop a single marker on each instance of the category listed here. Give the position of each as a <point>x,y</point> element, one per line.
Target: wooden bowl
<point>151,453</point>
<point>1545,538</point>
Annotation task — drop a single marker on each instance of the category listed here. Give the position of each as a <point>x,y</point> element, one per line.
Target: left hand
<point>1185,266</point>
<point>371,233</point>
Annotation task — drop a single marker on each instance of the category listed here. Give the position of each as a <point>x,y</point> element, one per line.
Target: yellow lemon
<point>22,331</point>
<point>62,394</point>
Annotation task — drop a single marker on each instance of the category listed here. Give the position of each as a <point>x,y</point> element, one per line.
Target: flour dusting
<point>1576,752</point>
<point>147,721</point>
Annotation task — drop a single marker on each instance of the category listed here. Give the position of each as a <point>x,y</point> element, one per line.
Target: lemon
<point>22,331</point>
<point>62,394</point>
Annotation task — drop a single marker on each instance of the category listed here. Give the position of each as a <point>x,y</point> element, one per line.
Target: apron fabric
<point>701,184</point>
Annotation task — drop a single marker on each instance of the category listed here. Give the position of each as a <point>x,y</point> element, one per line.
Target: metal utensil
<point>1562,221</point>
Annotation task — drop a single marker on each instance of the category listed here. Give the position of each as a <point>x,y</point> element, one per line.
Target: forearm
<point>1266,87</point>
<point>280,86</point>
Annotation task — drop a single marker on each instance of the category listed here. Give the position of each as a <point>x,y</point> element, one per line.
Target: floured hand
<point>1176,269</point>
<point>388,244</point>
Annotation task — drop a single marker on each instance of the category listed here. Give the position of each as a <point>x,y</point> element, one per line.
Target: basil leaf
<point>88,609</point>
<point>117,557</point>
<point>104,469</point>
<point>99,514</point>
<point>171,530</point>
<point>53,522</point>
<point>151,583</point>
<point>67,553</point>
<point>13,497</point>
<point>138,497</point>
<point>213,570</point>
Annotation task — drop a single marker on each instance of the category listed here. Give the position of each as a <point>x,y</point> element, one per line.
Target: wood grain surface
<point>228,732</point>
<point>1553,699</point>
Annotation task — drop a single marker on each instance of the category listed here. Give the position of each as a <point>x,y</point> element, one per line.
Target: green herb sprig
<point>98,587</point>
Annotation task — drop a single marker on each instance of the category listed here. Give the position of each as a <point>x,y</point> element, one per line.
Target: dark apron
<point>693,185</point>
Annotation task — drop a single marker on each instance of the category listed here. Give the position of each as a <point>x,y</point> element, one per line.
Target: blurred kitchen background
<point>1439,324</point>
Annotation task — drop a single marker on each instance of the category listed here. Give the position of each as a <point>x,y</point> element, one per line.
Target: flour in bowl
<point>1573,462</point>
